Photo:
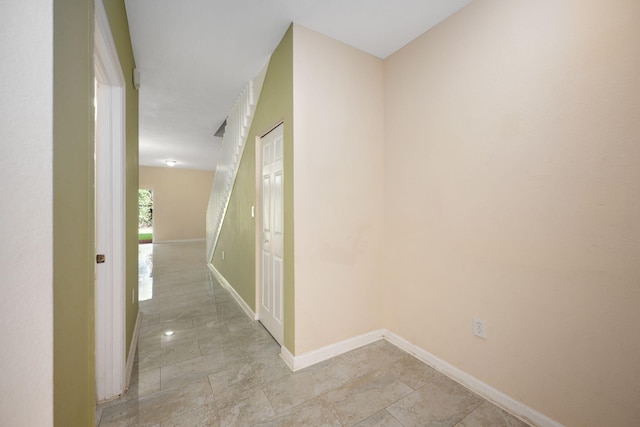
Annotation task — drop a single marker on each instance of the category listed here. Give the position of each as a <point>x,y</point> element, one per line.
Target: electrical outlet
<point>223,255</point>
<point>479,328</point>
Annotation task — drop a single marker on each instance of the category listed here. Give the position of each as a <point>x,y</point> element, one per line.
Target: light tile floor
<point>221,369</point>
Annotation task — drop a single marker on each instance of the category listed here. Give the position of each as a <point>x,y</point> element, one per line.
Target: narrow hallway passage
<point>218,368</point>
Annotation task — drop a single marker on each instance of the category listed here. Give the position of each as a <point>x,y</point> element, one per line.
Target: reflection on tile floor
<point>145,272</point>
<point>221,369</point>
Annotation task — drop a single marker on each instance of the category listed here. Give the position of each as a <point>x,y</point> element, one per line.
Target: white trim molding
<point>225,284</point>
<point>238,124</point>
<point>288,358</point>
<point>179,241</point>
<point>516,408</point>
<point>132,351</point>
<point>305,360</point>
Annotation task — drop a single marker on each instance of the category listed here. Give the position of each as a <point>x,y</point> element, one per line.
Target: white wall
<point>338,170</point>
<point>26,297</point>
<point>512,177</point>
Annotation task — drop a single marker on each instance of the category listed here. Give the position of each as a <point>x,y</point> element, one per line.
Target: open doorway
<point>145,246</point>
<point>145,216</point>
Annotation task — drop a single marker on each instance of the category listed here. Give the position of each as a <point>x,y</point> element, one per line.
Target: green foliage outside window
<point>145,211</point>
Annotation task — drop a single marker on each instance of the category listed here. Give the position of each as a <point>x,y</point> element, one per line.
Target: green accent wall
<point>73,214</point>
<point>238,235</point>
<point>73,200</point>
<point>119,24</point>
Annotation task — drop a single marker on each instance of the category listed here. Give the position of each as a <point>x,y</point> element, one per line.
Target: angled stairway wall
<point>233,143</point>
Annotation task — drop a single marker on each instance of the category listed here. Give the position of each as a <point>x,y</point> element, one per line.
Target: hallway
<point>220,369</point>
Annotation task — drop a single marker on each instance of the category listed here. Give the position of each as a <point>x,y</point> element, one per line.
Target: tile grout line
<point>471,411</point>
<point>393,416</point>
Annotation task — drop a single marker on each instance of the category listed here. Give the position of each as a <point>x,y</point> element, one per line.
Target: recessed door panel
<point>271,308</point>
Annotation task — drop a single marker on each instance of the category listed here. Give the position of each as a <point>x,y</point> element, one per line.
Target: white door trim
<point>110,209</point>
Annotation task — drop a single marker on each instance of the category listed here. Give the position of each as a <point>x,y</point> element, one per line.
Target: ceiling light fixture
<point>168,333</point>
<point>170,162</point>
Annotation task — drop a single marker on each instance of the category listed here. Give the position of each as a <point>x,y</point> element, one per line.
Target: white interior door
<point>271,280</point>
<point>110,214</point>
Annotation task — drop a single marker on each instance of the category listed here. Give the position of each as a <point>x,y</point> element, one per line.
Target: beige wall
<point>180,198</point>
<point>338,190</point>
<point>512,191</point>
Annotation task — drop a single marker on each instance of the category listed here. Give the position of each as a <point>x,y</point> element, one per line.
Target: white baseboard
<point>507,403</point>
<point>289,359</point>
<point>179,241</point>
<point>132,352</point>
<point>516,408</point>
<point>225,284</point>
<point>296,363</point>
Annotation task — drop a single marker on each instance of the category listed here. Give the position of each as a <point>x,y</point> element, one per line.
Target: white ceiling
<point>195,56</point>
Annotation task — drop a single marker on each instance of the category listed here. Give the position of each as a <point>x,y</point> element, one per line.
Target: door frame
<point>259,217</point>
<point>110,177</point>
